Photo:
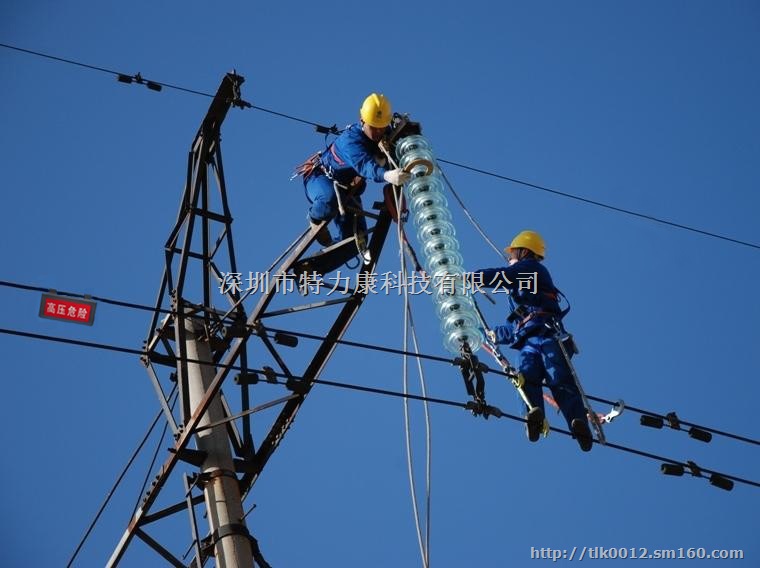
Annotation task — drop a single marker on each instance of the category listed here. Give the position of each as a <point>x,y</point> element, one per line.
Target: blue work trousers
<point>324,205</point>
<point>541,362</point>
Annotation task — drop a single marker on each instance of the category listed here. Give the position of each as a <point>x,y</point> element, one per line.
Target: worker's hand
<point>396,177</point>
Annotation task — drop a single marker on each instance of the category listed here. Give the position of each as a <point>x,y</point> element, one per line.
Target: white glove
<point>396,177</point>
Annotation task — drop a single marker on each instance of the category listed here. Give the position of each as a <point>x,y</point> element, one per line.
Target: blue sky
<point>649,106</point>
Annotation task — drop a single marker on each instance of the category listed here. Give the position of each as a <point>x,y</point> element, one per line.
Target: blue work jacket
<point>538,299</point>
<point>353,154</point>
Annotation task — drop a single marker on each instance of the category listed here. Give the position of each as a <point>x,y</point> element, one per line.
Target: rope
<point>423,544</point>
<point>472,219</point>
<point>429,446</point>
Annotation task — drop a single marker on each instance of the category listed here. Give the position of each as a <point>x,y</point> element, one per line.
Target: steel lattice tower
<point>214,462</point>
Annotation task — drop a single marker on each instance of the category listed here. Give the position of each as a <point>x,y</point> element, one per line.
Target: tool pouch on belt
<point>307,168</point>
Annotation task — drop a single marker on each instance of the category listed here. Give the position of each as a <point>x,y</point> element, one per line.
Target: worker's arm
<point>355,154</point>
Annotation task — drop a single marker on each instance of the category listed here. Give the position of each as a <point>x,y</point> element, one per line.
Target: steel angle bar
<point>192,422</point>
<point>276,355</point>
<point>193,521</point>
<point>304,307</point>
<point>259,408</point>
<point>162,398</point>
<point>318,362</point>
<point>232,431</point>
<point>169,511</point>
<point>168,556</point>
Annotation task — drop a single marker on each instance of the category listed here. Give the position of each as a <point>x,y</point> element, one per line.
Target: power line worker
<point>336,178</point>
<point>533,327</point>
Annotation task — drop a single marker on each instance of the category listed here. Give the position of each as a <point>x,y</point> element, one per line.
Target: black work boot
<point>323,236</point>
<point>582,434</point>
<point>535,423</point>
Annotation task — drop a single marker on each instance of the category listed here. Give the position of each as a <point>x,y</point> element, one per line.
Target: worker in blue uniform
<point>532,328</point>
<point>336,178</point>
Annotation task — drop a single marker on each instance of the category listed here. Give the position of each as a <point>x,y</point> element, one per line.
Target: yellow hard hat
<point>376,111</point>
<point>530,240</point>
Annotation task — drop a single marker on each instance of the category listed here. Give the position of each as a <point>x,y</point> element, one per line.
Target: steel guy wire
<point>115,486</point>
<point>155,454</point>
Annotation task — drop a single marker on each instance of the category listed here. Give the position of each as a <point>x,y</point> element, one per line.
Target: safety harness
<point>522,314</point>
<point>313,166</point>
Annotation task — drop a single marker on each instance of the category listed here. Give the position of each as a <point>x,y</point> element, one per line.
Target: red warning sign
<point>66,309</point>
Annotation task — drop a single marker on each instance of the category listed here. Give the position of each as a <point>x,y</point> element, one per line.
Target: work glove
<point>396,177</point>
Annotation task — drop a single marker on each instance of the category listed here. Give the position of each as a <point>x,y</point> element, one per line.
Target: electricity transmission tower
<point>194,346</point>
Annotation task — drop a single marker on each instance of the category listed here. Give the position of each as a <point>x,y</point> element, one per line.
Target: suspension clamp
<point>673,420</point>
<point>472,374</point>
<point>483,409</point>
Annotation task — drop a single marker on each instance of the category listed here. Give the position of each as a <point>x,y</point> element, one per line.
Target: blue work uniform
<point>535,307</point>
<point>349,160</point>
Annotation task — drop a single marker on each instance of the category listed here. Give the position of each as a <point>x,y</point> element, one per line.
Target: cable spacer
<point>699,434</point>
<point>721,482</point>
<point>672,469</point>
<point>285,339</point>
<point>651,421</point>
<point>246,378</point>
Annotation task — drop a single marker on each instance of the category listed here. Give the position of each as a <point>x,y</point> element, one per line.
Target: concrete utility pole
<point>232,547</point>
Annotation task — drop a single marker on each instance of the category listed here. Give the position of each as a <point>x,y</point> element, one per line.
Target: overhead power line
<point>122,77</point>
<point>355,344</point>
<point>157,85</point>
<point>373,390</point>
<point>120,303</point>
<point>368,346</point>
<point>600,204</point>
